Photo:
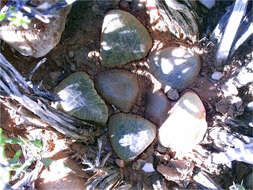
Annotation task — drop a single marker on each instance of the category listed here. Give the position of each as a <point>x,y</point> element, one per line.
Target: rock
<point>124,39</point>
<point>118,87</point>
<point>170,174</point>
<point>156,107</point>
<point>80,99</point>
<point>186,125</point>
<point>130,135</point>
<point>39,38</point>
<point>217,75</point>
<point>175,66</point>
<point>175,170</point>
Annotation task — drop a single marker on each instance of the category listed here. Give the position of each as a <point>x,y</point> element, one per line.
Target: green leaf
<point>15,141</point>
<point>46,161</point>
<point>13,19</point>
<point>2,138</point>
<point>25,22</point>
<point>16,157</point>
<point>2,17</point>
<point>37,143</point>
<point>15,167</point>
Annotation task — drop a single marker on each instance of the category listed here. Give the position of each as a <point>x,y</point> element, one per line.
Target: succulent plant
<point>118,87</point>
<point>130,135</point>
<point>80,99</point>
<point>186,125</point>
<point>124,39</point>
<point>175,66</point>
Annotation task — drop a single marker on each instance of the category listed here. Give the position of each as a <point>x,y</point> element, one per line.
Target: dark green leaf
<point>15,141</point>
<point>2,138</point>
<point>16,166</point>
<point>37,143</point>
<point>2,17</point>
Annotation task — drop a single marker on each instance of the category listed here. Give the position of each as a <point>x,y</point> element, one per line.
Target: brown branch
<point>13,88</point>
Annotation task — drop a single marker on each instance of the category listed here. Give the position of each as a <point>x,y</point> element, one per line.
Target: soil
<point>79,49</point>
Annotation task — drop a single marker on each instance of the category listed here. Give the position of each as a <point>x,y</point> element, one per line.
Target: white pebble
<point>148,168</point>
<point>217,75</point>
<point>173,94</point>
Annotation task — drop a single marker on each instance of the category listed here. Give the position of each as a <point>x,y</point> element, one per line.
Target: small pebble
<point>172,94</point>
<point>217,75</point>
<point>208,3</point>
<point>71,54</point>
<point>148,168</point>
